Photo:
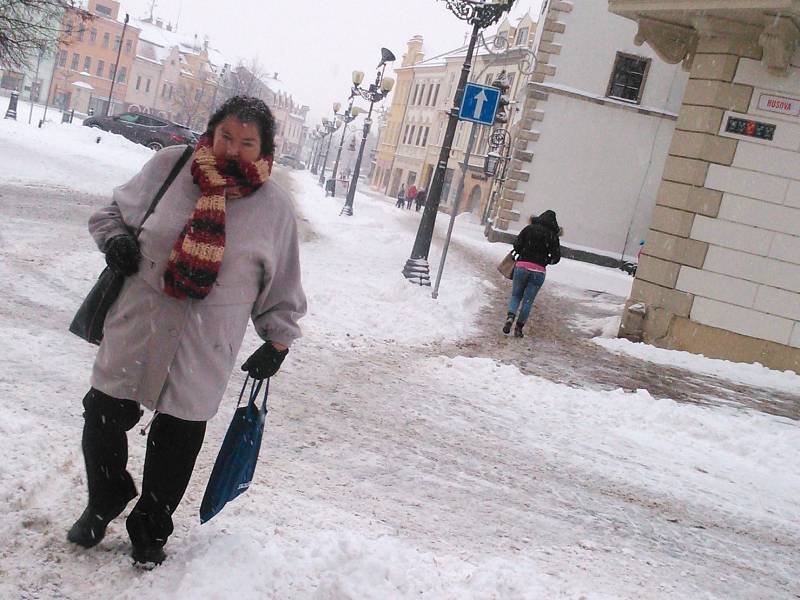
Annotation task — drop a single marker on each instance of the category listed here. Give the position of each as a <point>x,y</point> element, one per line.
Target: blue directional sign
<point>479,104</point>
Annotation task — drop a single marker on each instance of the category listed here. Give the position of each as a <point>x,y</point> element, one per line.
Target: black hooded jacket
<point>538,242</point>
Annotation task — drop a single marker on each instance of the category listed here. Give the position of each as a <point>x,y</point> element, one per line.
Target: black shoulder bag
<point>88,321</point>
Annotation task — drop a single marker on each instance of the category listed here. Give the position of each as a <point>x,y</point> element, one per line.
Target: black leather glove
<point>123,255</point>
<point>265,361</point>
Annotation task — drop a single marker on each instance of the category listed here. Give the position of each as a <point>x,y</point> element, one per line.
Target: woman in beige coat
<point>220,247</point>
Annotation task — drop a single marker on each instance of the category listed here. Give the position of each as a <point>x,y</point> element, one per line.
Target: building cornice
<point>673,27</point>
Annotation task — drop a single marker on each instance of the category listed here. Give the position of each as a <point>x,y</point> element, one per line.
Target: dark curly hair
<point>247,109</point>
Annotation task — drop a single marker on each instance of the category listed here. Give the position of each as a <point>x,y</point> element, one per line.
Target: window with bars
<point>92,35</point>
<point>101,65</point>
<point>87,63</point>
<point>75,60</point>
<point>628,77</point>
<point>123,71</point>
<point>106,39</point>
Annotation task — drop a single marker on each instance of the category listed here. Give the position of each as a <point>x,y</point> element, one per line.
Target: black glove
<point>265,361</point>
<point>122,254</point>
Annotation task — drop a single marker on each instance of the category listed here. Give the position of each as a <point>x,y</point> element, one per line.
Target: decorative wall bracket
<point>672,43</point>
<point>779,40</point>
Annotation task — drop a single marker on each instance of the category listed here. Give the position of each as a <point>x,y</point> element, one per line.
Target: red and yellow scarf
<point>197,254</point>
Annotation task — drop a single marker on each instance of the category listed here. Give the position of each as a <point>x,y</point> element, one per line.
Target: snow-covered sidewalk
<point>386,471</point>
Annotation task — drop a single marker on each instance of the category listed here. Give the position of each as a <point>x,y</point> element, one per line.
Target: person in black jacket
<point>536,247</point>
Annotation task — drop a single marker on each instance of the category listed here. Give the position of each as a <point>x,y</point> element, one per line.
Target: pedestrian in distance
<point>220,247</point>
<point>536,247</point>
<point>411,193</point>
<point>420,199</point>
<point>401,196</point>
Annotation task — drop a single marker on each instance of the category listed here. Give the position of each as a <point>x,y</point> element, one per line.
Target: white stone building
<point>720,273</point>
<point>593,134</point>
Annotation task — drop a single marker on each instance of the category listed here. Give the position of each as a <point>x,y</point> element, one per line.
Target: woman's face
<point>236,140</point>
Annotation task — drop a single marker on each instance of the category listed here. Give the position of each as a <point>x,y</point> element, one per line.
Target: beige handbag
<point>506,266</point>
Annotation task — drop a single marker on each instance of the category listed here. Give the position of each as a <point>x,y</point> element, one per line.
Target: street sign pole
<point>456,203</point>
<point>478,105</point>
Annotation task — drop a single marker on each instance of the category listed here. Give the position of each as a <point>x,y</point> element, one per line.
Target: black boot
<point>90,528</point>
<point>105,451</point>
<point>509,322</point>
<point>172,448</point>
<point>518,330</point>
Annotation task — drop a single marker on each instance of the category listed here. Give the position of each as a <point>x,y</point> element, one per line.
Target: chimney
<point>169,26</point>
<point>205,43</point>
<point>160,23</point>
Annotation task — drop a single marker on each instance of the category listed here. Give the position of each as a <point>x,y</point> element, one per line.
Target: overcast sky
<point>314,45</point>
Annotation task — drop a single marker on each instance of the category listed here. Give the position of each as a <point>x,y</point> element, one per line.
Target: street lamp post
<point>116,64</point>
<point>330,127</point>
<point>480,14</point>
<point>318,140</point>
<point>376,92</point>
<point>496,165</point>
<point>351,113</point>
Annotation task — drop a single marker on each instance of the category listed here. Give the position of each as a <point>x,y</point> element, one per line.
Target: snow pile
<point>352,271</point>
<point>756,374</point>
<point>723,459</point>
<point>67,156</point>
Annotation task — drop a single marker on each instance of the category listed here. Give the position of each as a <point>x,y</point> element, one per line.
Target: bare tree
<point>28,27</point>
<point>193,105</point>
<point>246,79</point>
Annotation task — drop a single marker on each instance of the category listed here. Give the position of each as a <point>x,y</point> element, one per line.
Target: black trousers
<point>172,448</point>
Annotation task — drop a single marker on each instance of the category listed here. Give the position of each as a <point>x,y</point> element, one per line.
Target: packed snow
<point>386,472</point>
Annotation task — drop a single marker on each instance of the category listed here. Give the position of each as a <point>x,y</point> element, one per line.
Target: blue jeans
<point>524,288</point>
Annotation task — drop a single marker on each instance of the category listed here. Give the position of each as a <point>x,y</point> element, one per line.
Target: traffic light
<point>501,83</point>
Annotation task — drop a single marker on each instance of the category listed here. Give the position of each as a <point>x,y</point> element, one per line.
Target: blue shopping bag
<point>237,458</point>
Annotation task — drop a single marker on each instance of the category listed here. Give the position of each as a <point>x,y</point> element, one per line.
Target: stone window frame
<point>640,92</point>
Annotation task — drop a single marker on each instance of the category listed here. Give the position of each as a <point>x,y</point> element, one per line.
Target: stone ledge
<point>720,67</point>
<point>672,221</point>
<point>685,170</point>
<point>703,146</point>
<point>562,6</point>
<point>523,155</point>
<point>718,94</point>
<point>681,196</point>
<point>657,271</point>
<point>683,251</point>
<point>554,26</point>
<point>509,215</point>
<point>688,336</point>
<point>520,175</point>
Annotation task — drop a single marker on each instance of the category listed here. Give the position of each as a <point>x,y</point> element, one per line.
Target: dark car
<point>153,132</point>
<point>290,161</point>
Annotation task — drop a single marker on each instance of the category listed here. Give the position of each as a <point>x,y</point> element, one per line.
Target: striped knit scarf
<point>197,254</point>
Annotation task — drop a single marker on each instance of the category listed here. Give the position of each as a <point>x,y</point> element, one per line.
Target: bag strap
<point>255,389</point>
<point>165,186</point>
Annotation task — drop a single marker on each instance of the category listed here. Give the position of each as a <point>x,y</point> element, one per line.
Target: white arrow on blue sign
<point>479,104</point>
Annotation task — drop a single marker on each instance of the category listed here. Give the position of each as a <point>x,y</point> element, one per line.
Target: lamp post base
<point>347,210</point>
<point>417,271</point>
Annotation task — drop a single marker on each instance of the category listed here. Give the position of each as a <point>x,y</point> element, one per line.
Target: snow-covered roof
<point>164,40</point>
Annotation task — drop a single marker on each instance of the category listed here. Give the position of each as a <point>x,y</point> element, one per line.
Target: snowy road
<point>410,450</point>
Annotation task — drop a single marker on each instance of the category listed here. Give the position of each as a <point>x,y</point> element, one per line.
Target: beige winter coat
<point>176,356</point>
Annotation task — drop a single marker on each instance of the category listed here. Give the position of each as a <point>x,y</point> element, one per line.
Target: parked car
<point>153,132</point>
<point>290,161</point>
